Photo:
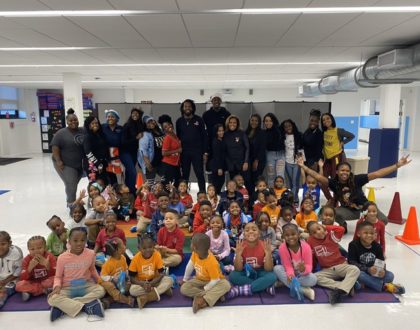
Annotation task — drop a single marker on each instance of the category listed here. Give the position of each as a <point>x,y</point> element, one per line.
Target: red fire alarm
<point>12,124</point>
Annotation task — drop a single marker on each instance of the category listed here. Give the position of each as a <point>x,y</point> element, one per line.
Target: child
<point>159,215</point>
<point>10,266</point>
<point>240,184</point>
<point>286,217</point>
<point>312,189</point>
<point>327,216</point>
<point>266,231</point>
<point>296,258</point>
<point>38,270</point>
<point>287,199</point>
<point>272,209</point>
<point>146,270</point>
<point>259,203</point>
<point>78,217</point>
<point>111,272</point>
<point>142,204</point>
<point>170,240</point>
<point>306,214</point>
<point>334,267</point>
<point>229,195</point>
<point>213,197</point>
<point>201,196</point>
<point>105,234</point>
<point>202,218</point>
<point>372,217</point>
<point>57,239</point>
<point>186,198</point>
<point>157,189</point>
<point>278,186</point>
<point>75,282</point>
<point>209,284</point>
<point>260,185</point>
<point>95,218</point>
<point>177,205</point>
<point>125,204</point>
<point>234,220</point>
<point>253,265</point>
<point>367,255</point>
<point>219,240</point>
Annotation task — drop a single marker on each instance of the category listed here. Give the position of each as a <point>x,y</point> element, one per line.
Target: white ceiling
<point>196,37</point>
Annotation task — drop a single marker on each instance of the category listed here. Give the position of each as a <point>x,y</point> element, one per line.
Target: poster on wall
<point>44,136</point>
<point>43,120</point>
<point>44,128</point>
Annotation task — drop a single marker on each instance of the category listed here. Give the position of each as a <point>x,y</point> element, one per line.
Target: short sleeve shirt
<point>146,269</point>
<point>71,146</point>
<point>206,269</point>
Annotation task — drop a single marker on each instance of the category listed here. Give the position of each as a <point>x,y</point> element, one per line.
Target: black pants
<point>217,181</point>
<point>170,174</point>
<point>196,159</point>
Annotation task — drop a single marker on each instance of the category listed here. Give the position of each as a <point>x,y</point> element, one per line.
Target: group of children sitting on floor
<point>260,241</point>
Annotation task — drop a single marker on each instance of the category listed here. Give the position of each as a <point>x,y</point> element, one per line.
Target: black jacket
<point>257,148</point>
<point>193,134</point>
<point>212,117</point>
<point>313,142</point>
<point>236,149</point>
<point>218,155</point>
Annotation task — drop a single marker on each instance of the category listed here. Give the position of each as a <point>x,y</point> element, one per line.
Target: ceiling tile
<point>206,4</point>
<point>342,3</point>
<point>77,4</point>
<point>30,38</point>
<point>169,5</point>
<point>276,3</point>
<point>12,5</point>
<point>142,55</point>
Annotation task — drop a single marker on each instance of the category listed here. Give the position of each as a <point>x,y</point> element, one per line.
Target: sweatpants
<point>71,177</point>
<point>195,287</point>
<point>344,214</point>
<point>35,288</point>
<point>164,285</point>
<point>308,280</point>
<point>72,306</point>
<point>189,157</point>
<point>263,281</point>
<point>342,276</point>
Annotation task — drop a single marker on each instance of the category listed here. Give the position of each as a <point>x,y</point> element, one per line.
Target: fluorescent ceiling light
<point>245,11</point>
<point>176,64</point>
<point>19,49</point>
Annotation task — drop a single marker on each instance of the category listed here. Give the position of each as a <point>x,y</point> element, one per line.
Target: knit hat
<point>113,113</point>
<point>147,118</point>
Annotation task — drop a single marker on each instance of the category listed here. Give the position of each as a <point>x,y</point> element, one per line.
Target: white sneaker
<point>26,296</point>
<point>308,293</point>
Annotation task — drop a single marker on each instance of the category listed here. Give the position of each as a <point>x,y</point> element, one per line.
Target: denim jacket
<point>146,148</point>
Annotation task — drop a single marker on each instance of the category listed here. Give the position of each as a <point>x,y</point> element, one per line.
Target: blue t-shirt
<point>314,194</point>
<point>180,208</point>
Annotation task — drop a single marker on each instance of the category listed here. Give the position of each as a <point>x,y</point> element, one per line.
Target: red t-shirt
<point>245,195</point>
<point>171,143</point>
<point>187,201</point>
<point>39,272</point>
<point>327,250</point>
<point>198,224</point>
<point>379,230</point>
<point>257,209</point>
<point>254,255</point>
<point>103,237</point>
<point>172,240</point>
<point>144,205</point>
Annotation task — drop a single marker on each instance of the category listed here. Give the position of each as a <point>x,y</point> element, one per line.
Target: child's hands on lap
<point>372,270</point>
<point>300,267</point>
<point>147,287</point>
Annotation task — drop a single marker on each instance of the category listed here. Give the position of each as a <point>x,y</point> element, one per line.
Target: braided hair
<point>37,238</point>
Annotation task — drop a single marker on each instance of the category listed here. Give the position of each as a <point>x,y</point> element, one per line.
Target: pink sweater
<point>72,266</point>
<point>288,260</point>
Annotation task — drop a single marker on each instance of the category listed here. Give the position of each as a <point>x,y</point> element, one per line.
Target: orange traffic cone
<point>394,214</point>
<point>371,195</point>
<point>411,230</point>
<point>139,180</point>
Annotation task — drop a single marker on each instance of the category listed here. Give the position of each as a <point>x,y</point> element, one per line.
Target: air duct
<point>398,66</point>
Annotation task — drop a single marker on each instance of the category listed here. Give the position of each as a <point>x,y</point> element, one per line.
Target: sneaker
<point>394,288</point>
<point>55,313</point>
<point>271,290</point>
<point>127,218</point>
<point>228,269</point>
<point>308,293</point>
<point>26,296</point>
<point>169,292</point>
<point>94,308</point>
<point>335,296</point>
<point>199,303</point>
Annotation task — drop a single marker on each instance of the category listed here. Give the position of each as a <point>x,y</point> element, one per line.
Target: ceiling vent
<point>395,59</point>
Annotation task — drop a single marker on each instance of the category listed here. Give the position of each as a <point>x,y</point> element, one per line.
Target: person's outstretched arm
<point>322,179</point>
<point>388,170</point>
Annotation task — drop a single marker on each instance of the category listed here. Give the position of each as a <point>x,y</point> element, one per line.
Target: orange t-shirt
<point>278,192</point>
<point>171,143</point>
<point>273,213</point>
<point>303,219</point>
<point>206,269</point>
<point>113,266</point>
<point>146,269</point>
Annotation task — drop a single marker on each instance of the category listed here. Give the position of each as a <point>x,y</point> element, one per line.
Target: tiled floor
<point>37,193</point>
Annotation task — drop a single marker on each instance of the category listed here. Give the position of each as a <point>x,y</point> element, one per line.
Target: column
<point>389,102</point>
<point>72,86</point>
<point>412,98</point>
<point>129,95</point>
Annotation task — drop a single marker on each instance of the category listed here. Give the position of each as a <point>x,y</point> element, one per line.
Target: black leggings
<point>170,174</point>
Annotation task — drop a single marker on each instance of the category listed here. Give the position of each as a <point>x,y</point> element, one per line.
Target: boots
<point>199,303</point>
<point>148,297</point>
<point>308,293</point>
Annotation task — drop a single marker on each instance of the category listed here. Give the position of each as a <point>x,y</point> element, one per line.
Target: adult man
<point>215,115</point>
<point>192,132</point>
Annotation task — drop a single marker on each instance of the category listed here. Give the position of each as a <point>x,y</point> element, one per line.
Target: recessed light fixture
<point>20,49</point>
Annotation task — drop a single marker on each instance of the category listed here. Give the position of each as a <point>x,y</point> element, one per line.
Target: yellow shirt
<point>146,269</point>
<point>303,219</point>
<point>206,269</point>
<point>278,192</point>
<point>112,266</point>
<point>332,145</point>
<point>274,214</point>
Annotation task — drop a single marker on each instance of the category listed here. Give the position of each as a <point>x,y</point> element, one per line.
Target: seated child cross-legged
<point>38,270</point>
<point>367,255</point>
<point>296,258</point>
<point>57,239</point>
<point>170,240</point>
<point>209,284</point>
<point>306,215</point>
<point>146,271</point>
<point>253,265</point>
<point>219,240</point>
<point>335,273</point>
<point>202,218</point>
<point>75,283</point>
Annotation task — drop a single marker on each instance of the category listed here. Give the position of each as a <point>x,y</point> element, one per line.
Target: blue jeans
<point>375,283</point>
<point>308,280</point>
<point>129,161</point>
<point>263,281</point>
<point>293,179</point>
<point>275,165</point>
<point>6,292</point>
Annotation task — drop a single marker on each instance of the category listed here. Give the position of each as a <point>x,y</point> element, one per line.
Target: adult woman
<point>217,162</point>
<point>256,138</point>
<point>347,188</point>
<point>96,150</point>
<point>171,152</point>
<point>132,132</point>
<point>274,148</point>
<point>113,133</point>
<point>150,149</point>
<point>236,148</point>
<point>313,140</point>
<point>67,155</point>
